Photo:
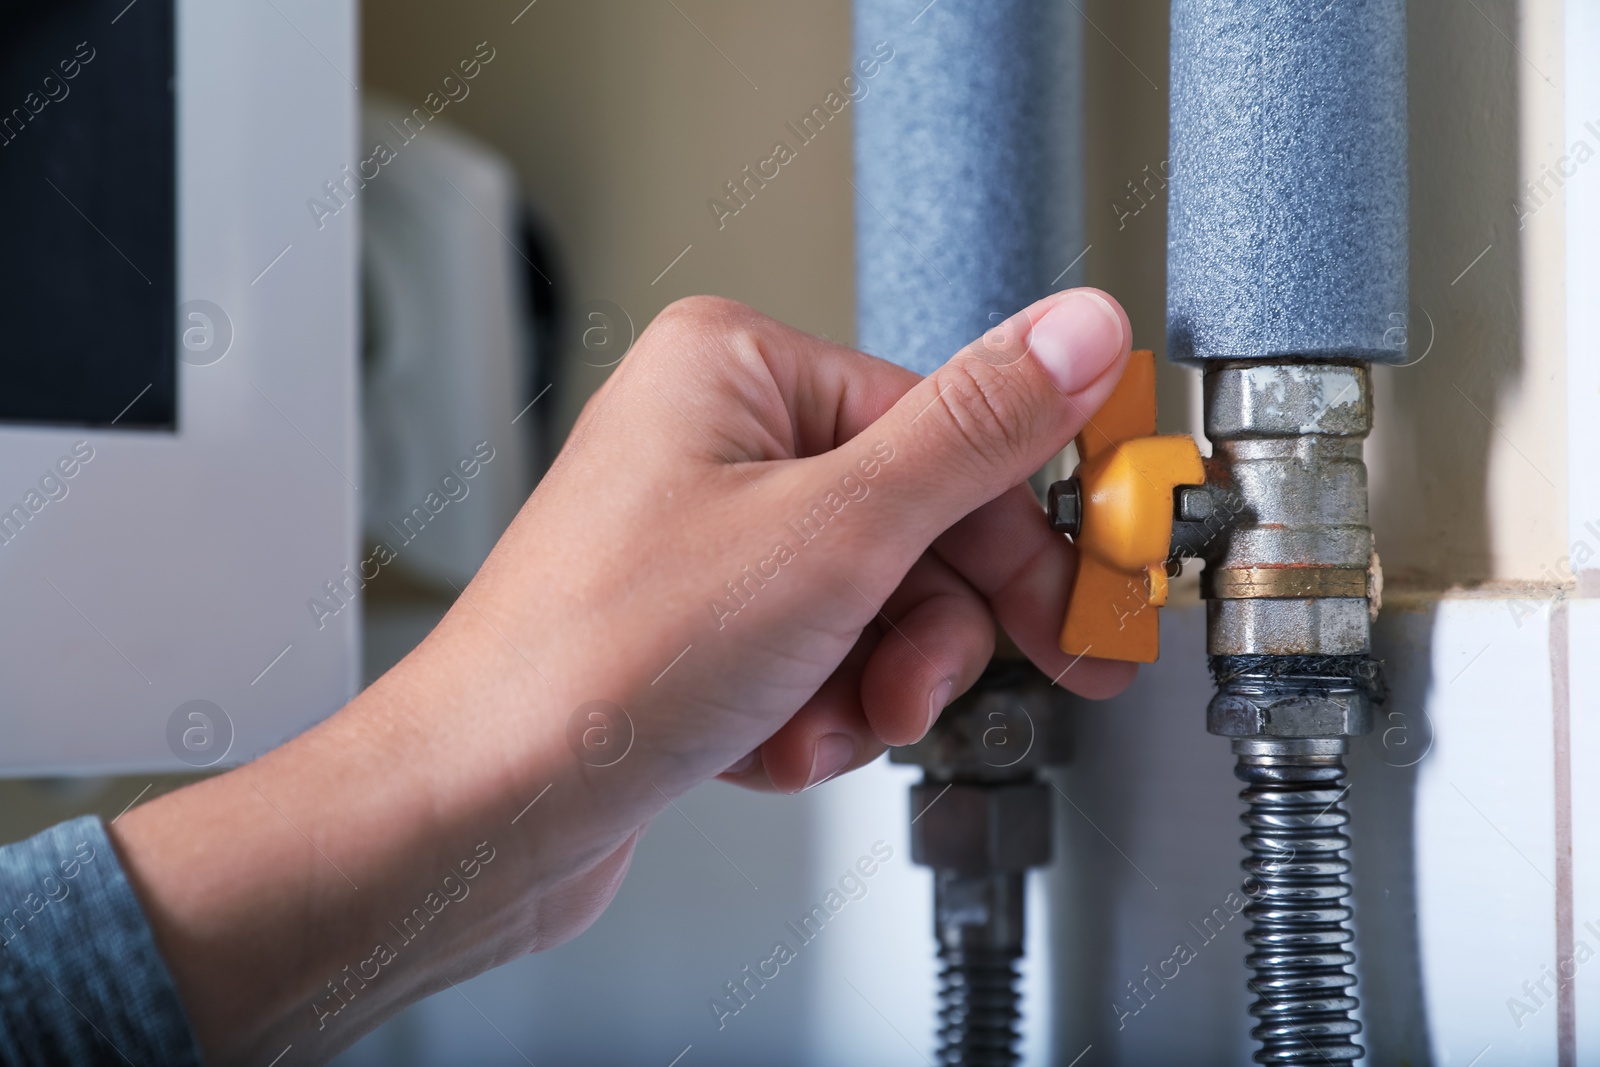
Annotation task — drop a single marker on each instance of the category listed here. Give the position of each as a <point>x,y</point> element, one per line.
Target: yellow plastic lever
<point>1126,476</point>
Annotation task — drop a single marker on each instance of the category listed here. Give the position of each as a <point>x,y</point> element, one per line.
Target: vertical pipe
<point>967,169</point>
<point>1288,229</point>
<point>1286,274</point>
<point>968,208</point>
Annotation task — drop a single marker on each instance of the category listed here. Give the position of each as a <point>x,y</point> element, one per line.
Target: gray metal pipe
<point>1288,226</point>
<point>967,163</point>
<point>1287,243</point>
<point>968,208</point>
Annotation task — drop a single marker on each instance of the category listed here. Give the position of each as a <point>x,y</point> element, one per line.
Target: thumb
<point>1001,407</point>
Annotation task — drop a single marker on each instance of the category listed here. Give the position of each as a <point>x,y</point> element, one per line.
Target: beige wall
<point>1468,461</point>
<point>624,120</point>
<point>1125,149</point>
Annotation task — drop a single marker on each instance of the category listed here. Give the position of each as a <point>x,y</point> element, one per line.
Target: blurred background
<point>566,198</point>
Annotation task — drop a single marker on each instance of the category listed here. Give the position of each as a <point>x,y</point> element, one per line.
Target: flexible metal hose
<point>979,917</point>
<point>982,820</point>
<point>979,1014</point>
<point>1295,882</point>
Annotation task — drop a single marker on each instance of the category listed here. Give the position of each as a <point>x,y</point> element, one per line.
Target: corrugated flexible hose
<point>1299,917</point>
<point>980,1014</point>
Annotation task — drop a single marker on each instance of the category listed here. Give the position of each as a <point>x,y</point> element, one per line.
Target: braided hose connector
<point>980,1017</point>
<point>1295,882</point>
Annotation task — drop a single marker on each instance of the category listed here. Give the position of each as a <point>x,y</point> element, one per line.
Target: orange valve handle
<point>1126,477</point>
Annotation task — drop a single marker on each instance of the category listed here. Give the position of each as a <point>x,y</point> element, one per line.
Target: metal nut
<point>980,829</point>
<point>1195,503</point>
<point>1065,507</point>
<point>1011,722</point>
<point>1272,399</point>
<point>1326,713</point>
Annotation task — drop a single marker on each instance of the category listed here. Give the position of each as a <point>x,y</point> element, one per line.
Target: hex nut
<point>1328,713</point>
<point>1011,722</point>
<point>1271,399</point>
<point>977,829</point>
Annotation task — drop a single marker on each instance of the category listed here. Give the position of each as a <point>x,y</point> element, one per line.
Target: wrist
<point>287,896</point>
<point>583,708</point>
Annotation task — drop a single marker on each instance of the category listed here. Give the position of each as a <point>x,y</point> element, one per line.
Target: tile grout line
<point>1561,709</point>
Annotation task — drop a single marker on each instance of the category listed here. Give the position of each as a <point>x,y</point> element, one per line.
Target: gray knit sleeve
<point>81,981</point>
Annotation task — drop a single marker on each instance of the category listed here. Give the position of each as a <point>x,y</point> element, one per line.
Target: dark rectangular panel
<point>88,245</point>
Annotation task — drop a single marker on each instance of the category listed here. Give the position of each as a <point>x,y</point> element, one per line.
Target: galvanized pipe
<point>1286,276</point>
<point>1293,574</point>
<point>968,208</point>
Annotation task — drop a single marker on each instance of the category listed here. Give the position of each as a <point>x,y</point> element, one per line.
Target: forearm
<point>305,896</point>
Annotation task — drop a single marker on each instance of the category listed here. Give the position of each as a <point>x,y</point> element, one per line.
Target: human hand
<point>764,555</point>
<point>759,542</point>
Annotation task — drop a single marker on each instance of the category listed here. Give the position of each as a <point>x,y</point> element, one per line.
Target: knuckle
<point>712,328</point>
<point>987,408</point>
<point>700,324</point>
<point>700,313</point>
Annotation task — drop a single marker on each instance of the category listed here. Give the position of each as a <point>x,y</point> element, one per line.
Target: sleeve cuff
<point>81,980</point>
